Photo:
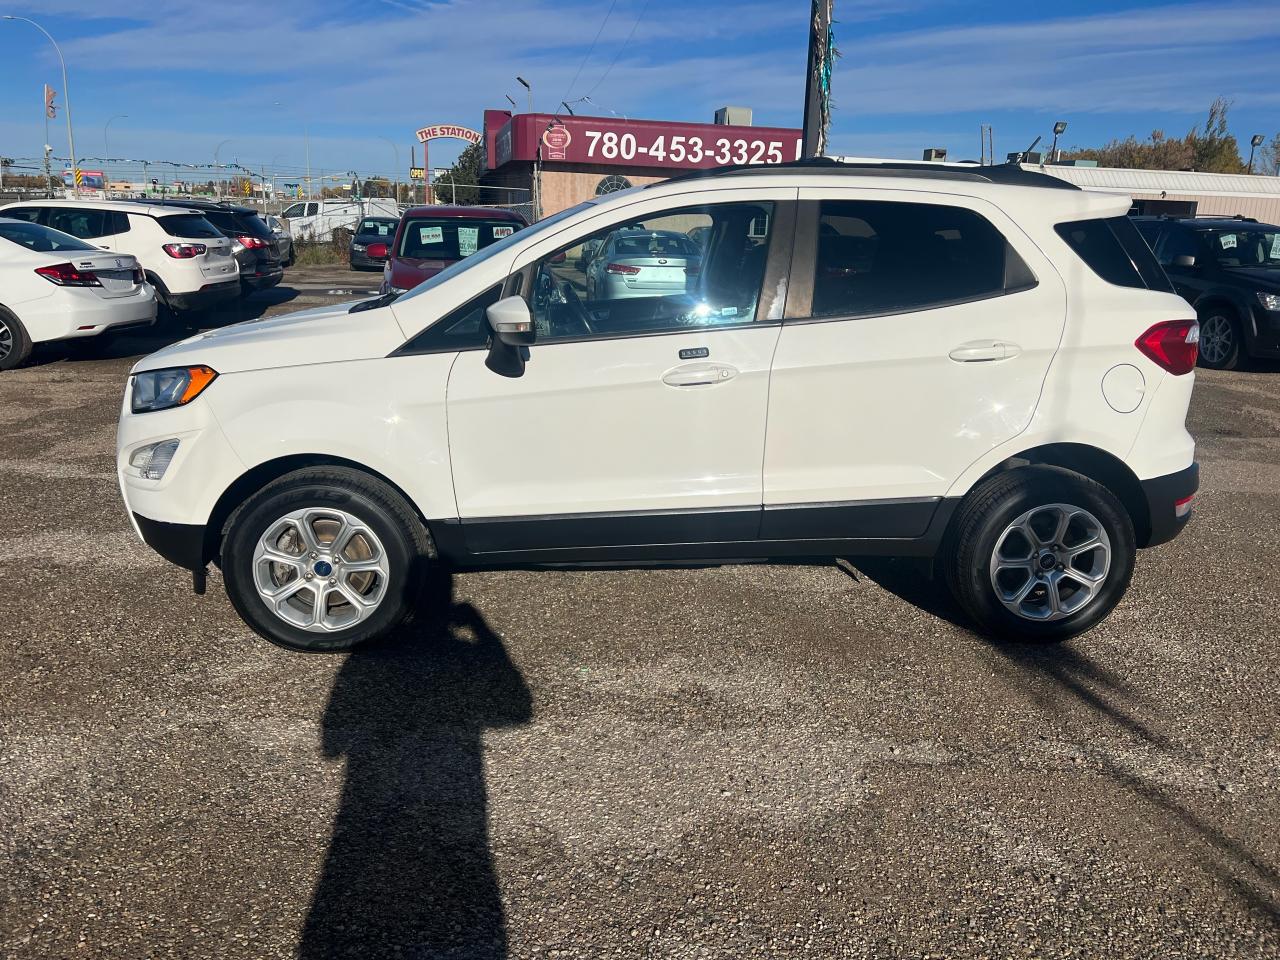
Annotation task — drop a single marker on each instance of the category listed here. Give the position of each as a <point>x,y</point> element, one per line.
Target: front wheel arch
<point>257,477</point>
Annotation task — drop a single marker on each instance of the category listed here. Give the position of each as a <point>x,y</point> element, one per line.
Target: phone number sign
<point>641,143</point>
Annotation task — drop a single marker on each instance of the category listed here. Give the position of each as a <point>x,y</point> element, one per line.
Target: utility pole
<point>817,93</point>
<point>66,97</point>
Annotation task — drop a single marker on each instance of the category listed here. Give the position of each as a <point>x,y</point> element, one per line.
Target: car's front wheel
<point>324,559</point>
<point>1040,554</point>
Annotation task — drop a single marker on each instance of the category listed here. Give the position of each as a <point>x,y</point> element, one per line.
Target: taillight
<point>65,275</point>
<point>184,251</point>
<point>693,269</point>
<point>251,243</point>
<point>622,268</point>
<point>1173,344</point>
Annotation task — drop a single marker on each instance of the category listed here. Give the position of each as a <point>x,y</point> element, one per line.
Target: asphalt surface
<point>765,761</point>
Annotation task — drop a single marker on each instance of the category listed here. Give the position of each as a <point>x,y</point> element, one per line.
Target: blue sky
<point>914,73</point>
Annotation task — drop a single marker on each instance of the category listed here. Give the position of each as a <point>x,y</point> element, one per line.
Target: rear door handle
<point>699,374</point>
<point>984,351</point>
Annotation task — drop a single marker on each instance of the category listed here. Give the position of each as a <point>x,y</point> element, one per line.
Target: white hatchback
<point>54,286</point>
<point>982,366</point>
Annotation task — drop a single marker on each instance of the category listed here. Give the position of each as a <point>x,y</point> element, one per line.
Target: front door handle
<point>984,351</point>
<point>699,374</point>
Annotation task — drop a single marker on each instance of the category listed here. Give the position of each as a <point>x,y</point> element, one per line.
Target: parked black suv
<point>371,230</point>
<point>1229,270</point>
<point>253,243</point>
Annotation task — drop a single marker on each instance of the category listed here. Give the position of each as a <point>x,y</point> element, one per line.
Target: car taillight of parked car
<point>252,243</point>
<point>622,268</point>
<point>65,275</point>
<point>185,251</point>
<point>1173,344</point>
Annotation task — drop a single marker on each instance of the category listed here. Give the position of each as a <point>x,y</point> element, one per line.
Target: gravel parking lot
<point>767,761</point>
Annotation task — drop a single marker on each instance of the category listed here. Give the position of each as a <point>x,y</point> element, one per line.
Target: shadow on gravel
<point>1254,881</point>
<point>409,871</point>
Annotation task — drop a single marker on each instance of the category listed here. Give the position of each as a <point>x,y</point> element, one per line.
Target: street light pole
<point>1254,143</point>
<point>66,94</point>
<point>537,156</point>
<point>216,168</point>
<point>397,152</point>
<point>106,148</point>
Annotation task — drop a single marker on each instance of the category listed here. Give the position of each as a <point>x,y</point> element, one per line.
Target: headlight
<point>151,462</point>
<point>162,389</point>
<point>1270,301</point>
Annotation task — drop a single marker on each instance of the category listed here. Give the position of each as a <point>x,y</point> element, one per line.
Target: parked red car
<point>430,238</point>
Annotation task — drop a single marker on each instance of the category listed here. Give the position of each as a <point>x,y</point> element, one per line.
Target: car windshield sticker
<point>500,232</point>
<point>1275,246</point>
<point>1228,241</point>
<point>468,240</point>
<point>428,235</point>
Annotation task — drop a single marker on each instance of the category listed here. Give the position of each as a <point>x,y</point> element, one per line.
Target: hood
<point>1264,277</point>
<point>323,335</point>
<point>407,273</point>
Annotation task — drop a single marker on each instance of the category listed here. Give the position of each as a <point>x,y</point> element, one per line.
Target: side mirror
<point>1184,261</point>
<point>377,250</point>
<point>511,323</point>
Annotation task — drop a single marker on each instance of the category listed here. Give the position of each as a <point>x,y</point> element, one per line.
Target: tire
<point>1006,512</point>
<point>15,343</point>
<point>1221,338</point>
<point>383,531</point>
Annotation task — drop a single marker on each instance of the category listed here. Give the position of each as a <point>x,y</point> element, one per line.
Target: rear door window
<point>1115,251</point>
<point>87,224</point>
<point>877,257</point>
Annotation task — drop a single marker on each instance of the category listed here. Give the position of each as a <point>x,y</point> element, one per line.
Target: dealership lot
<point>738,761</point>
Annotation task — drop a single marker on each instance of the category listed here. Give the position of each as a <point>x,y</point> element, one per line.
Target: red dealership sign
<point>612,141</point>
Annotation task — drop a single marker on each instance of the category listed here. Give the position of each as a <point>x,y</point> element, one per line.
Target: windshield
<point>42,239</point>
<point>1257,247</point>
<point>442,238</point>
<point>382,228</point>
<point>451,271</point>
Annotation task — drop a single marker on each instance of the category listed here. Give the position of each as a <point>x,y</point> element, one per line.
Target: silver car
<point>642,263</point>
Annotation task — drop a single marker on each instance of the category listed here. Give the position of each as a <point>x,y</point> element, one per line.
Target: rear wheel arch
<point>257,477</point>
<point>1094,463</point>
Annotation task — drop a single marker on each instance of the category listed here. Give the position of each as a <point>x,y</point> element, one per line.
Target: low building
<point>1181,193</point>
<point>557,161</point>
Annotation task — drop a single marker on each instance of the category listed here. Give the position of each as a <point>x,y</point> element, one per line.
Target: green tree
<point>1212,149</point>
<point>462,177</point>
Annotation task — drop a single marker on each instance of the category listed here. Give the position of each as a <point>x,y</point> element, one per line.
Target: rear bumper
<point>83,313</point>
<point>1169,503</point>
<point>179,543</point>
<point>210,295</point>
<point>263,278</point>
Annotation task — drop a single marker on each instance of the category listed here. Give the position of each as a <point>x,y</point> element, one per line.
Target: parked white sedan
<point>54,286</point>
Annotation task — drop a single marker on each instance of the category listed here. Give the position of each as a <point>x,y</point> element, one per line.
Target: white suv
<point>188,261</point>
<point>985,365</point>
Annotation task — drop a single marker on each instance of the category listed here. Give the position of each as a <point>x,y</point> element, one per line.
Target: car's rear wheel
<point>1040,554</point>
<point>324,559</point>
<point>15,344</point>
<point>1221,346</point>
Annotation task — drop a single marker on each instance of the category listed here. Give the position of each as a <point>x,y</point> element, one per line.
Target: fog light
<point>153,460</point>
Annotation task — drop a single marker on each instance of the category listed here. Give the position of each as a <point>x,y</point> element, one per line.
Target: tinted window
<point>31,214</point>
<point>191,226</point>
<point>1115,251</point>
<point>877,257</point>
<point>1179,242</point>
<point>1150,231</point>
<point>87,224</point>
<point>647,276</point>
<point>464,329</point>
<point>436,238</point>
<point>41,239</point>
<point>379,228</point>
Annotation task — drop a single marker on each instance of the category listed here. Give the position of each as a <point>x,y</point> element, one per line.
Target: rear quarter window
<point>1114,250</point>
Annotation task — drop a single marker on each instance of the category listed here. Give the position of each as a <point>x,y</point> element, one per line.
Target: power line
<point>625,42</point>
<point>591,49</point>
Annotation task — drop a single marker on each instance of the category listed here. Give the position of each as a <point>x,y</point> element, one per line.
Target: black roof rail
<point>1009,174</point>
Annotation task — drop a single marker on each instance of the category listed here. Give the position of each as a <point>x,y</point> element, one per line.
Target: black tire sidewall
<point>252,521</point>
<point>21,342</point>
<point>976,541</point>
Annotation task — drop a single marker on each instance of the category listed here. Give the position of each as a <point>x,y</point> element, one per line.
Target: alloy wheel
<point>6,339</point>
<point>320,569</point>
<point>1217,339</point>
<point>1051,562</point>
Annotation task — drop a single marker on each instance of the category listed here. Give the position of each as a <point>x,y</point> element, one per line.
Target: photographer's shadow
<point>409,872</point>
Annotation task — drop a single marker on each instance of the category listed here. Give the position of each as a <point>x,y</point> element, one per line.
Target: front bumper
<point>360,261</point>
<point>179,543</point>
<point>1169,503</point>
